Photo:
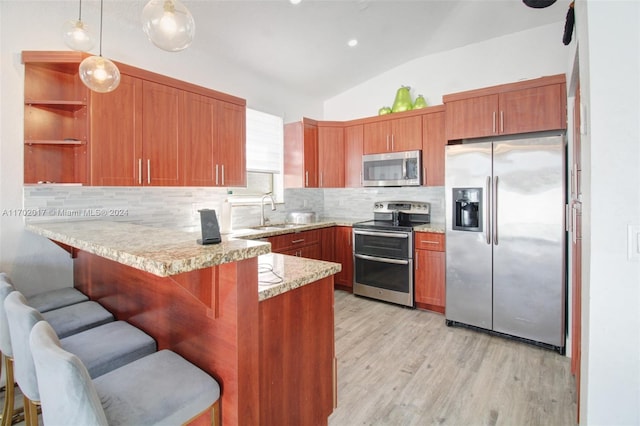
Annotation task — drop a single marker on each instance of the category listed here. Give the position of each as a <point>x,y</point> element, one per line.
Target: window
<point>265,140</point>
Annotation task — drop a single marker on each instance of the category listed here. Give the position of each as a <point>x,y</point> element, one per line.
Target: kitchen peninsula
<point>261,323</point>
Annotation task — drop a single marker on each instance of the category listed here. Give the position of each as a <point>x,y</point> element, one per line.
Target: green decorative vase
<point>403,100</point>
<point>420,102</point>
<point>384,111</point>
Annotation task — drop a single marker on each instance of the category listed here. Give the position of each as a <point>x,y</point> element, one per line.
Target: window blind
<point>265,136</point>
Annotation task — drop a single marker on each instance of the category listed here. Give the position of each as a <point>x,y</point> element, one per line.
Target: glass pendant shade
<point>99,74</point>
<point>168,24</point>
<point>77,36</point>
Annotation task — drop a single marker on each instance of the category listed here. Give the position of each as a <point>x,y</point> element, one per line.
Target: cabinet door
<point>116,135</point>
<point>199,139</point>
<point>353,148</point>
<point>161,121</point>
<point>310,160</point>
<point>406,134</point>
<point>377,137</point>
<point>231,144</point>
<point>535,109</point>
<point>472,117</point>
<point>344,256</point>
<point>331,157</point>
<point>433,147</point>
<point>430,279</point>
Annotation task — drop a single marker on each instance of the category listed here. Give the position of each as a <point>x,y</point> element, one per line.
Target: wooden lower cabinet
<point>344,255</point>
<point>429,266</point>
<point>297,356</point>
<point>301,244</point>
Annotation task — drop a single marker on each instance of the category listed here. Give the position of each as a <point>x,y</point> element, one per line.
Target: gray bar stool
<point>101,349</point>
<point>44,302</point>
<point>159,389</point>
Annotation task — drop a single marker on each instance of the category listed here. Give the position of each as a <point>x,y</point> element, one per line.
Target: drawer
<point>295,239</point>
<point>429,241</point>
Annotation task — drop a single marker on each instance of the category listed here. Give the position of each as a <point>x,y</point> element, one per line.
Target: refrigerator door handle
<point>495,211</point>
<point>488,212</point>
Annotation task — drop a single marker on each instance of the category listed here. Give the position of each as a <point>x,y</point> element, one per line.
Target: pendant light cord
<point>101,6</point>
<point>80,12</point>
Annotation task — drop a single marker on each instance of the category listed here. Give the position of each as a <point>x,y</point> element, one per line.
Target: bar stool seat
<point>102,348</point>
<point>52,299</point>
<point>162,388</point>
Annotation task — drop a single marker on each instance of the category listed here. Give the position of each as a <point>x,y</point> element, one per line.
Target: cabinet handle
<point>501,121</point>
<point>424,176</point>
<point>306,178</point>
<point>574,220</point>
<point>149,171</point>
<point>429,242</point>
<point>321,179</point>
<point>393,142</point>
<point>216,174</point>
<point>222,167</point>
<point>297,241</point>
<point>139,171</point>
<point>387,142</point>
<point>417,262</point>
<point>494,121</point>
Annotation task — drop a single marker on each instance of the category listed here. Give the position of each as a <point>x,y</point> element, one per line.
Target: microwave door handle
<point>404,169</point>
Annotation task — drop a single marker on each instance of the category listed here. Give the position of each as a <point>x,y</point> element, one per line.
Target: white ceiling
<point>303,47</point>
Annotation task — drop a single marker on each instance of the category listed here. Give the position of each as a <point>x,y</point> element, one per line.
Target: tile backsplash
<point>177,207</point>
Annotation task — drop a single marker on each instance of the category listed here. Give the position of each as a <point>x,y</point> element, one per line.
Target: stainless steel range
<point>383,251</point>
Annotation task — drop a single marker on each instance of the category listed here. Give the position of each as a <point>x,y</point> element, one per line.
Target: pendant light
<point>98,73</point>
<point>168,24</point>
<point>76,34</point>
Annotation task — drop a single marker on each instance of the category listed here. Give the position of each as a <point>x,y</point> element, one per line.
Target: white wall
<point>528,54</point>
<point>609,55</point>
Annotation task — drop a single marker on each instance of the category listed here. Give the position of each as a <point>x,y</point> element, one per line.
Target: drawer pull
<point>297,241</point>
<point>429,242</point>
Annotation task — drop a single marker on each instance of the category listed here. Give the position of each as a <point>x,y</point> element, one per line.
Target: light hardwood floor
<point>398,366</point>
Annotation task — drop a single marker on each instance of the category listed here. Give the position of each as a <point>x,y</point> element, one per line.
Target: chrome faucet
<point>273,207</point>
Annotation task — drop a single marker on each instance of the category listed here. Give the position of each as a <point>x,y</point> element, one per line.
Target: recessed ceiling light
<point>352,43</point>
<point>295,1</point>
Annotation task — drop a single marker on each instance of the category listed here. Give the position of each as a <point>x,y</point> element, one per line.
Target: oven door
<point>383,244</point>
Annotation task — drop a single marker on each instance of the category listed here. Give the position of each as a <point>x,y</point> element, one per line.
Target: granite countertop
<point>436,228</point>
<point>160,251</point>
<point>279,273</point>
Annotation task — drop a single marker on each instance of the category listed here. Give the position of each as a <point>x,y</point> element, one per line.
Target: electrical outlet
<point>633,242</point>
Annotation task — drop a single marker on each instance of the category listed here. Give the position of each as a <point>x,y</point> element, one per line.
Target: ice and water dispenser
<point>467,209</point>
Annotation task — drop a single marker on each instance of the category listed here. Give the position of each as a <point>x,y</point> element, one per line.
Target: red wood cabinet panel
<point>231,144</point>
<point>394,135</point>
<point>473,117</point>
<point>429,264</point>
<point>353,147</point>
<point>344,256</point>
<point>116,135</point>
<point>433,148</point>
<point>331,157</point>
<point>161,126</point>
<point>301,155</point>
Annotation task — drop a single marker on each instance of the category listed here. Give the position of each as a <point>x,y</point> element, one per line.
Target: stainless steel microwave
<point>392,169</point>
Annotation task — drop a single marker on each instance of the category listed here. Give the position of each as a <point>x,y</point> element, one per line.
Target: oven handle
<point>382,259</point>
<point>382,234</point>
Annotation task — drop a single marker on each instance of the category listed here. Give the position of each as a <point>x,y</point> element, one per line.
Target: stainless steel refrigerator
<point>505,237</point>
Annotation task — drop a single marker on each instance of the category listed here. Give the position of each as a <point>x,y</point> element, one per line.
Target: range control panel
<point>401,206</point>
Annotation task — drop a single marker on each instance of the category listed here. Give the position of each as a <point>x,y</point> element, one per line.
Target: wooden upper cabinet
<point>527,106</point>
<point>200,114</point>
<point>472,117</point>
<point>231,146</point>
<point>433,147</point>
<point>116,135</point>
<point>393,135</point>
<point>331,157</point>
<point>353,148</point>
<point>161,126</point>
<point>301,154</point>
<point>139,134</point>
<point>213,139</point>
